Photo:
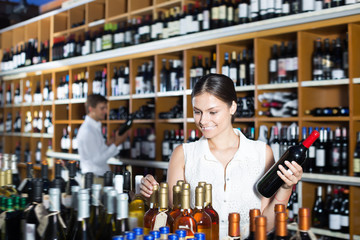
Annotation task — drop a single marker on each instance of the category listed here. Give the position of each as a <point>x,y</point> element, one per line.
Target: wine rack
<point>260,36</point>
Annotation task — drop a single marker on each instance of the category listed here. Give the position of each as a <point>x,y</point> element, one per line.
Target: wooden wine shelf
<point>356,80</point>
<point>174,120</point>
<point>277,86</point>
<point>143,96</point>
<point>277,119</point>
<point>191,39</point>
<point>78,100</point>
<point>324,232</point>
<point>170,94</point>
<point>326,119</point>
<point>331,179</point>
<point>325,83</point>
<point>244,88</point>
<point>116,98</point>
<point>113,160</point>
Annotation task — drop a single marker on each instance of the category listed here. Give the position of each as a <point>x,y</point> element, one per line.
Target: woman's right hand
<point>146,187</point>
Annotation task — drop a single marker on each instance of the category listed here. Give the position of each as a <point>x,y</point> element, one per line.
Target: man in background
<point>93,149</point>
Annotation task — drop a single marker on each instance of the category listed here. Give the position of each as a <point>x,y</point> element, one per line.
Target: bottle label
<point>345,221</point>
<point>320,158</point>
<point>337,73</point>
<point>286,8</point>
<point>319,5</point>
<point>295,63</point>
<point>193,73</point>
<point>225,70</point>
<point>242,71</point>
<point>356,165</point>
<point>312,152</point>
<point>272,65</point>
<point>334,221</point>
<point>308,5</point>
<point>276,150</point>
<point>254,7</point>
<point>243,10</point>
<point>46,201</point>
<point>206,20</point>
<point>270,6</point>
<point>263,7</point>
<point>296,208</point>
<point>230,14</point>
<point>282,67</point>
<point>349,1</point>
<point>289,64</point>
<point>119,38</point>
<point>30,231</point>
<point>233,74</point>
<point>165,149</point>
<point>335,157</point>
<point>160,221</point>
<point>222,12</point>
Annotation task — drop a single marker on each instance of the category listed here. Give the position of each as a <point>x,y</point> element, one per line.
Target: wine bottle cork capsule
<point>234,224</point>
<point>253,214</point>
<point>279,208</point>
<point>304,219</point>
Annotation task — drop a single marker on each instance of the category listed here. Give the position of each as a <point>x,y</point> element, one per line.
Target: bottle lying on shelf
<point>328,112</point>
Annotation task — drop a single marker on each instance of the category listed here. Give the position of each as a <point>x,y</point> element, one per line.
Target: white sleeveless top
<point>242,172</point>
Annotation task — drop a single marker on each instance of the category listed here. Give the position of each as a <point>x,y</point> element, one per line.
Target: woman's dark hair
<point>218,85</point>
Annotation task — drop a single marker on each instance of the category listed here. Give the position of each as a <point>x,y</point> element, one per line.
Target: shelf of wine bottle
<point>62,101</point>
<point>170,94</point>
<point>115,98</point>
<point>174,120</point>
<point>64,156</point>
<point>331,179</point>
<point>244,88</point>
<point>78,100</point>
<point>278,119</point>
<point>96,23</point>
<point>113,160</point>
<point>277,86</point>
<point>324,232</point>
<point>291,20</point>
<point>138,162</point>
<point>326,119</point>
<point>356,80</point>
<point>321,83</point>
<point>142,96</point>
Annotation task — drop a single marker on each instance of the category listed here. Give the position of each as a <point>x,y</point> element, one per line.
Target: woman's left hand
<point>291,176</point>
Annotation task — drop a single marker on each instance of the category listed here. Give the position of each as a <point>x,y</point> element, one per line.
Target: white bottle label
<point>243,10</point>
<point>308,5</point>
<point>344,221</point>
<point>30,231</point>
<point>334,221</point>
<point>320,158</point>
<point>233,74</point>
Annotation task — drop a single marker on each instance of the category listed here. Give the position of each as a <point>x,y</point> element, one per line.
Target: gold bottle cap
<point>163,198</point>
<point>2,178</point>
<point>185,199</point>
<point>202,184</point>
<point>176,196</point>
<point>304,219</point>
<point>281,224</point>
<point>253,214</point>
<point>186,186</point>
<point>154,195</point>
<point>234,225</point>
<point>199,197</point>
<point>279,208</point>
<point>208,194</point>
<point>8,177</point>
<point>164,185</point>
<point>180,183</point>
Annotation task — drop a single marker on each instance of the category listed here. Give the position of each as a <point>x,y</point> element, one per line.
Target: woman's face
<point>212,115</point>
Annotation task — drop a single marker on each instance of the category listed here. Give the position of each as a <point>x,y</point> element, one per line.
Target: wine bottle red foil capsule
<point>270,182</point>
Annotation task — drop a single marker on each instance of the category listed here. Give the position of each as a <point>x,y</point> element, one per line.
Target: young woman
<point>225,158</point>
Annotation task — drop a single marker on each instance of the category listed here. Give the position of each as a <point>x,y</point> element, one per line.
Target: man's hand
<point>120,139</point>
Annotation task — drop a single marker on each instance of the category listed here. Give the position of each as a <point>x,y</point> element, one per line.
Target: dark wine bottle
<point>73,211</point>
<point>356,162</point>
<point>318,211</point>
<point>55,227</point>
<point>122,215</point>
<point>96,209</point>
<point>127,125</point>
<point>83,229</point>
<point>12,222</point>
<point>31,221</point>
<point>271,182</point>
